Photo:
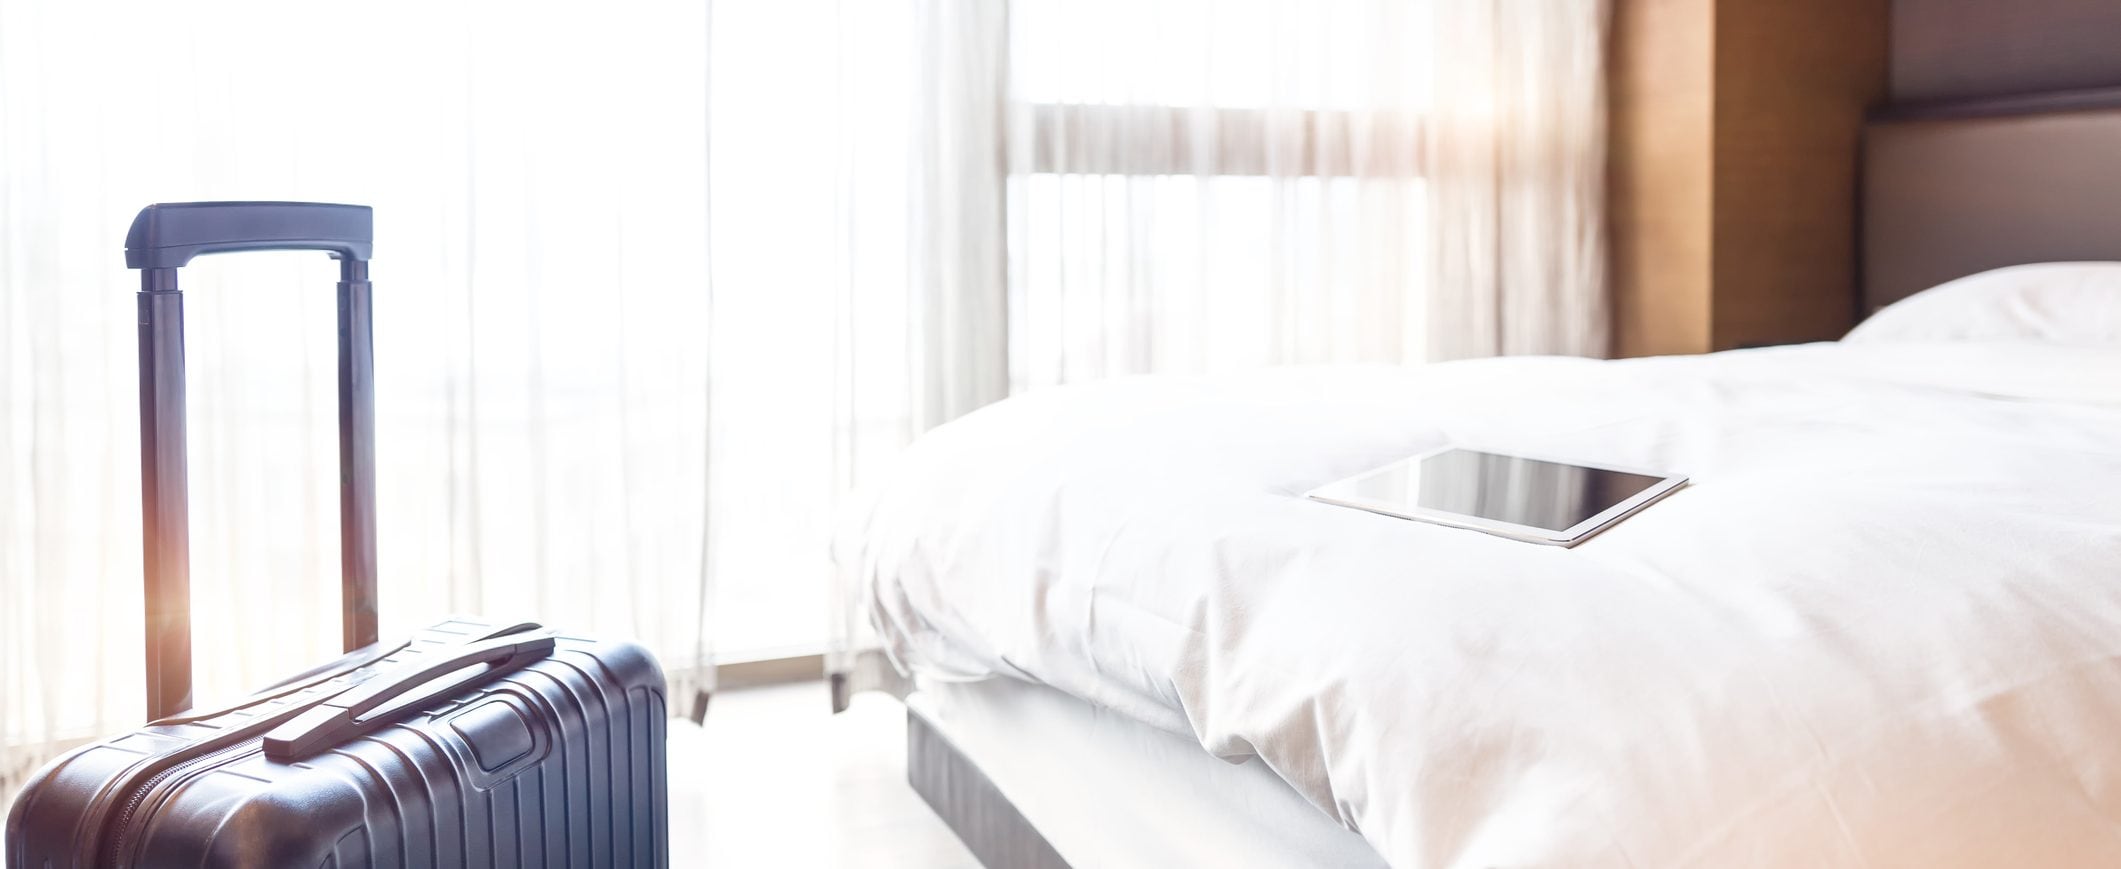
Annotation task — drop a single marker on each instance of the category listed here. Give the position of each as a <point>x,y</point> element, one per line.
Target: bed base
<point>966,799</point>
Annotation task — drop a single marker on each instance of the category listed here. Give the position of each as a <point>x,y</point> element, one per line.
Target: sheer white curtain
<point>1196,185</point>
<point>850,316</point>
<point>1199,186</point>
<point>1515,142</point>
<point>539,175</point>
<point>1210,185</point>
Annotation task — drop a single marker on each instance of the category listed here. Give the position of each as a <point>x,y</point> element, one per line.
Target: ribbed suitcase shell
<point>560,763</point>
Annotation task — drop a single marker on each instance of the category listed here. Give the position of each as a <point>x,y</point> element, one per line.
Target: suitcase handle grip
<point>347,715</point>
<point>168,235</point>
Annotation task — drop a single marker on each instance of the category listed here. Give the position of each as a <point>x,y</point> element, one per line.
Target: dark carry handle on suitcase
<point>163,239</point>
<point>414,754</point>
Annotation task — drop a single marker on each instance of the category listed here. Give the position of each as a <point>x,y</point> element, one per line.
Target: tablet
<point>1534,500</point>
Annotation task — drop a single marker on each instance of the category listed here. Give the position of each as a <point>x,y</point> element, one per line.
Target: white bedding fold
<point>1881,627</point>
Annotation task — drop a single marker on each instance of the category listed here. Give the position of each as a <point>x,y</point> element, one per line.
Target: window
<point>1204,186</point>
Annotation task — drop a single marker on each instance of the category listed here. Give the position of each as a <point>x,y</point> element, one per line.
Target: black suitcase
<point>472,744</point>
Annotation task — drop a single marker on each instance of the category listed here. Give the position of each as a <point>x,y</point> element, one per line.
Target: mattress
<point>1881,626</point>
<point>1104,790</point>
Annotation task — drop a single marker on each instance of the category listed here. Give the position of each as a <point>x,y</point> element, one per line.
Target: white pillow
<point>2060,303</point>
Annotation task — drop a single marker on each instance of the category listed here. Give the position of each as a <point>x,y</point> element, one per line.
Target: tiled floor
<point>774,779</point>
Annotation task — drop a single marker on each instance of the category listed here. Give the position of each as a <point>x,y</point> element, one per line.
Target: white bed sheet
<point>1881,627</point>
<point>1109,792</point>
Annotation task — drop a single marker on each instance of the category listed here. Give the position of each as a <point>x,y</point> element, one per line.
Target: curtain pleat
<point>1516,167</point>
<point>957,199</point>
<point>921,228</point>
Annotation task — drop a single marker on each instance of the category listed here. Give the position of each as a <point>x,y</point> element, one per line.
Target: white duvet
<point>1882,626</point>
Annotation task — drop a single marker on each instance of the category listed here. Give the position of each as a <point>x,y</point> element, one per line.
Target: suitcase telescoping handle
<point>162,240</point>
<point>355,712</point>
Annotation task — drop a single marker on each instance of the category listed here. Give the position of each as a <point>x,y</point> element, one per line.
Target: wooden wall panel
<point>1735,129</point>
<point>1793,81</point>
<point>1658,184</point>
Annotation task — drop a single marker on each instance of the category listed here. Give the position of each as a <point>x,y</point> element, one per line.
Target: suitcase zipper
<point>133,801</point>
<point>249,738</point>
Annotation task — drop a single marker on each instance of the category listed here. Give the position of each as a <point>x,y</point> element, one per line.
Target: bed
<point>1882,626</point>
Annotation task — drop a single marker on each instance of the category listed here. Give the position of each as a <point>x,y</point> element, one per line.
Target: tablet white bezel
<point>1667,482</point>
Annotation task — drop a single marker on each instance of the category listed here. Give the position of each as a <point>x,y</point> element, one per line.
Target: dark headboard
<point>1951,189</point>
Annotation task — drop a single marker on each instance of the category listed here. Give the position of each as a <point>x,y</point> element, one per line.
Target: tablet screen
<point>1520,491</point>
